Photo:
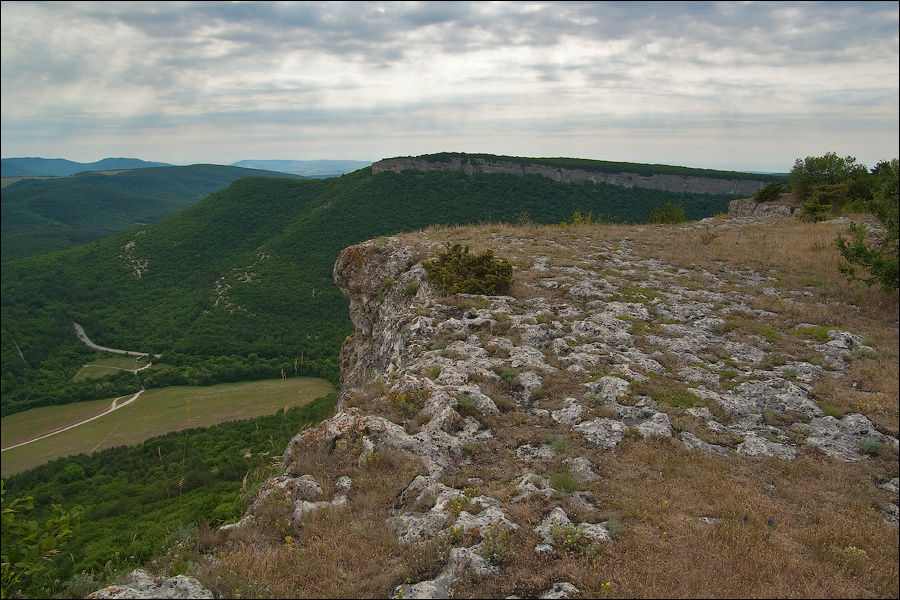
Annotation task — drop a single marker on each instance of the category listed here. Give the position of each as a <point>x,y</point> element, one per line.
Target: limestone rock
<point>139,584</point>
<point>606,433</point>
<point>754,445</point>
<point>561,589</point>
<point>841,438</point>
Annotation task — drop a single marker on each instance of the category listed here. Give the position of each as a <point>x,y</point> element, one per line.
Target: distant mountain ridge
<point>578,170</point>
<point>45,215</point>
<point>308,168</point>
<point>60,167</point>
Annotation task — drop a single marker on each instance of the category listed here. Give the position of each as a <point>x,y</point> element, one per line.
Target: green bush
<point>456,271</point>
<point>497,547</point>
<point>815,171</point>
<point>668,213</point>
<point>29,545</point>
<point>878,259</point>
<point>770,192</point>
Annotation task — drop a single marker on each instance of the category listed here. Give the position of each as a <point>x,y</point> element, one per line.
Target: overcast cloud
<point>721,85</point>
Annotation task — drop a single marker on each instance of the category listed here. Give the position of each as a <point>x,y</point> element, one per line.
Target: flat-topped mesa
<point>656,181</point>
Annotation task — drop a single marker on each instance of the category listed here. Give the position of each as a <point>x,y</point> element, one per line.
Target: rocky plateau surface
<point>614,346</point>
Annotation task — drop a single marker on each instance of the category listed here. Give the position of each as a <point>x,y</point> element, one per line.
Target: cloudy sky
<point>748,86</point>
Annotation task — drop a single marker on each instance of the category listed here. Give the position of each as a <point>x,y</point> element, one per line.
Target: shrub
<point>815,171</point>
<point>28,545</point>
<point>770,192</point>
<point>880,260</point>
<point>869,446</point>
<point>563,482</point>
<point>668,213</point>
<point>456,271</point>
<point>497,547</point>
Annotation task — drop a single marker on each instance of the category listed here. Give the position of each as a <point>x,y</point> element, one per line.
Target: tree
<point>28,545</point>
<point>878,259</point>
<point>822,170</point>
<point>667,213</point>
<point>770,192</point>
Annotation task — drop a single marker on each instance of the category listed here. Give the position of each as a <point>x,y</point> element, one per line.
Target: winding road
<point>79,331</point>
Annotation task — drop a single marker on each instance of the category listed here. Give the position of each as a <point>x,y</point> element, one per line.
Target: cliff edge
<point>657,181</point>
<point>621,407</point>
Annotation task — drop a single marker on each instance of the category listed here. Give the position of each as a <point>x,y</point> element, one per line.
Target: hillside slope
<point>45,215</point>
<point>651,412</point>
<point>35,166</point>
<point>248,269</point>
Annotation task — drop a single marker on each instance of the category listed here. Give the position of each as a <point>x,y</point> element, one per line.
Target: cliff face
<point>670,183</point>
<point>787,205</point>
<point>515,406</point>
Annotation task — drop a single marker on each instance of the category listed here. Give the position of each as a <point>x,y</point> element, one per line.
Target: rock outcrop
<point>614,346</point>
<point>139,584</point>
<point>748,207</point>
<point>659,181</point>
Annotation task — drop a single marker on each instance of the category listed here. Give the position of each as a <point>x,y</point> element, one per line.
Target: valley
<point>233,307</point>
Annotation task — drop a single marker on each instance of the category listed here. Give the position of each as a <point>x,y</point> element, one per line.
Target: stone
<point>570,413</point>
<point>609,388</point>
<point>692,442</point>
<point>477,525</point>
<point>754,445</point>
<point>581,468</point>
<point>560,589</point>
<point>606,433</point>
<point>139,584</point>
<point>529,452</point>
<point>413,527</point>
<point>658,424</point>
<point>556,518</point>
<point>841,438</point>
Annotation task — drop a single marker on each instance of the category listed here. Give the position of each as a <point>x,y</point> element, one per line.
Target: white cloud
<point>719,85</point>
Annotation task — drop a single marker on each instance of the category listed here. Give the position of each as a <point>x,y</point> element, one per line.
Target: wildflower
<point>288,539</point>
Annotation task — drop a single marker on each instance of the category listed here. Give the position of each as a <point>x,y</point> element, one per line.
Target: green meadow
<point>155,412</point>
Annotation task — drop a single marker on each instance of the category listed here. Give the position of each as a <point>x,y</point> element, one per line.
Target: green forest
<point>139,500</point>
<point>287,233</point>
<point>240,284</point>
<point>45,215</point>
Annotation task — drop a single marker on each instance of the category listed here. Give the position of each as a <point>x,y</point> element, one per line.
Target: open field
<point>109,366</point>
<point>23,426</point>
<point>156,412</point>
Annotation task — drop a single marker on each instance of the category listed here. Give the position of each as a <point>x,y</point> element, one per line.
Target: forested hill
<point>248,270</point>
<point>658,177</point>
<point>45,215</point>
<point>34,166</point>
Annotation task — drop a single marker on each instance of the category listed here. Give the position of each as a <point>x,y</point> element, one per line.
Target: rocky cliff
<point>786,206</point>
<point>526,413</point>
<point>670,183</point>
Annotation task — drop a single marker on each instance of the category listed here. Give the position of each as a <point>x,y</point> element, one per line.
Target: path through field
<point>79,331</point>
<point>114,406</point>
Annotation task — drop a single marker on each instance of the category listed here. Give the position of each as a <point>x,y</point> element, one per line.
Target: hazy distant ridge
<point>308,168</point>
<point>34,166</point>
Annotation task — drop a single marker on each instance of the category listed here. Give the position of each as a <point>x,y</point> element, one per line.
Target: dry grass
<point>346,552</point>
<point>811,527</point>
<point>826,538</point>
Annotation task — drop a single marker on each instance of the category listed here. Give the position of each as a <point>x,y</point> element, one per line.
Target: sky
<point>731,85</point>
